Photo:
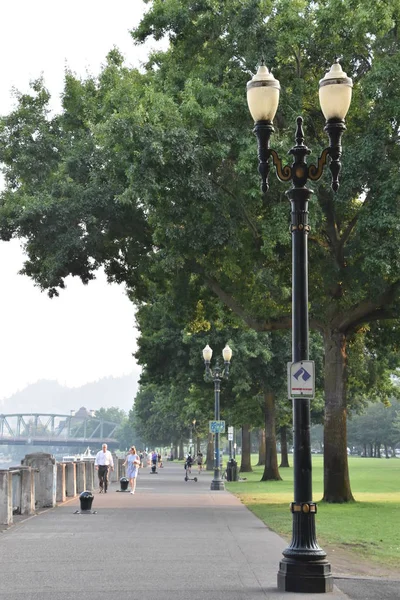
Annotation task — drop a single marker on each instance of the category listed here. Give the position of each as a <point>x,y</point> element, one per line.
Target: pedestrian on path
<point>102,463</point>
<point>132,462</point>
<point>200,461</point>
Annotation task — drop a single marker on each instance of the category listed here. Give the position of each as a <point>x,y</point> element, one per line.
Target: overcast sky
<point>88,332</point>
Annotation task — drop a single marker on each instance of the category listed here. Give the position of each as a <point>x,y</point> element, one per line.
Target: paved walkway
<point>172,540</point>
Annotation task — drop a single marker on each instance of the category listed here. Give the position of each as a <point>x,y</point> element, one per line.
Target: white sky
<point>88,332</point>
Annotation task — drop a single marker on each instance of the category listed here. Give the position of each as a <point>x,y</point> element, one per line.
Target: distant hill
<point>50,397</point>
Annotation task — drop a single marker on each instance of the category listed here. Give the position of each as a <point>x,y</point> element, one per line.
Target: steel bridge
<point>39,429</point>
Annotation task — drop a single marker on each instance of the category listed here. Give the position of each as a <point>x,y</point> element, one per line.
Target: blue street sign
<point>217,426</point>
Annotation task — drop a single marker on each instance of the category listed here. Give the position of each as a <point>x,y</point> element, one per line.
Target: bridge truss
<point>55,430</point>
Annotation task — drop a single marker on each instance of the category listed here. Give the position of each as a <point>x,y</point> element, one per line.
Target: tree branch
<point>369,310</point>
<point>347,232</point>
<point>252,226</point>
<point>230,302</point>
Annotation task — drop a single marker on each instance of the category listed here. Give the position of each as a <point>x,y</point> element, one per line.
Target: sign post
<point>230,440</point>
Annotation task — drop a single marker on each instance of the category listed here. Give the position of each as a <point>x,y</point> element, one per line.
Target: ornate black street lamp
<point>216,375</point>
<point>304,567</point>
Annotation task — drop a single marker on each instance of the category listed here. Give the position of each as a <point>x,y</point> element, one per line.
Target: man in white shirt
<point>102,463</point>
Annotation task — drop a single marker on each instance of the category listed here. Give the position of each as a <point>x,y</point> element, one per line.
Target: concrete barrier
<point>16,489</point>
<point>28,491</point>
<point>61,495</point>
<point>89,472</point>
<point>6,513</point>
<point>121,468</point>
<point>70,477</point>
<point>45,478</point>
<point>80,477</point>
<point>113,475</point>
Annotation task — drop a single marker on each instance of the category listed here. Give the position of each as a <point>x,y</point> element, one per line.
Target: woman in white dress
<point>132,463</point>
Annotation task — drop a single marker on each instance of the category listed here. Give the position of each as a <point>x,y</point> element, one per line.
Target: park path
<point>172,540</point>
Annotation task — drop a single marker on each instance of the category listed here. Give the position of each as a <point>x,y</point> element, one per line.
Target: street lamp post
<point>191,440</point>
<point>304,567</point>
<point>216,375</point>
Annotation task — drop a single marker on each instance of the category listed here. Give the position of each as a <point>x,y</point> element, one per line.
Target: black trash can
<point>86,500</point>
<point>124,483</point>
<point>231,470</point>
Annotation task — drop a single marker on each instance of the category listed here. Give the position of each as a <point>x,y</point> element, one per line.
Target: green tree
<point>112,414</point>
<point>377,426</point>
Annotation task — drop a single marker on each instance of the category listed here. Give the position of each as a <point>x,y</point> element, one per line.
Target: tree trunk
<point>261,447</point>
<point>336,468</point>
<point>210,453</point>
<point>284,449</point>
<point>245,464</point>
<point>181,455</point>
<point>271,471</point>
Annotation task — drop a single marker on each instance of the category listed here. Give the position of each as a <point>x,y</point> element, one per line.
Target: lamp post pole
<point>304,567</point>
<point>216,376</point>
<point>217,483</point>
<point>193,432</point>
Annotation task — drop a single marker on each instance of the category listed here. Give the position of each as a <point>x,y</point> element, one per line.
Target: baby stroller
<point>188,466</point>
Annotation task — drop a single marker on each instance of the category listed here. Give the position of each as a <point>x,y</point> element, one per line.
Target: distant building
<point>82,413</point>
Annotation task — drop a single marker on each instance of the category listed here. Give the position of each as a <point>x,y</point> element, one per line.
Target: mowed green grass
<point>370,526</point>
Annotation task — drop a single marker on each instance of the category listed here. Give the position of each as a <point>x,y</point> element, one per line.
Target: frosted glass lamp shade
<point>207,353</point>
<point>227,353</point>
<point>263,95</point>
<point>335,93</point>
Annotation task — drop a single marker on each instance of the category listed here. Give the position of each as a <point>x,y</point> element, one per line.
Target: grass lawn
<point>370,526</point>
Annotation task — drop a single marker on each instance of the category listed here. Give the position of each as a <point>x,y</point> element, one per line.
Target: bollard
<point>124,484</point>
<point>86,500</point>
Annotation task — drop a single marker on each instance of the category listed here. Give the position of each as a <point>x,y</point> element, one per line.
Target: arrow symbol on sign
<point>302,375</point>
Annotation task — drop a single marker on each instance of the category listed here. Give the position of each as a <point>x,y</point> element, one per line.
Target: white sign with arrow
<point>301,379</point>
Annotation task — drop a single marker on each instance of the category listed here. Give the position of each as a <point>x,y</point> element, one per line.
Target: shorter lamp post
<point>191,441</point>
<point>216,375</point>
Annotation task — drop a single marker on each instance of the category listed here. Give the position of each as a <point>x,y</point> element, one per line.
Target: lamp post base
<point>312,577</point>
<point>217,484</point>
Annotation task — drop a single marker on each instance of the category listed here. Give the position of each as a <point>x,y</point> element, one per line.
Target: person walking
<point>200,461</point>
<point>154,457</point>
<point>132,462</point>
<point>102,463</point>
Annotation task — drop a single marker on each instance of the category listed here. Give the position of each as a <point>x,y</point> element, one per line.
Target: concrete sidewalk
<point>172,540</point>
